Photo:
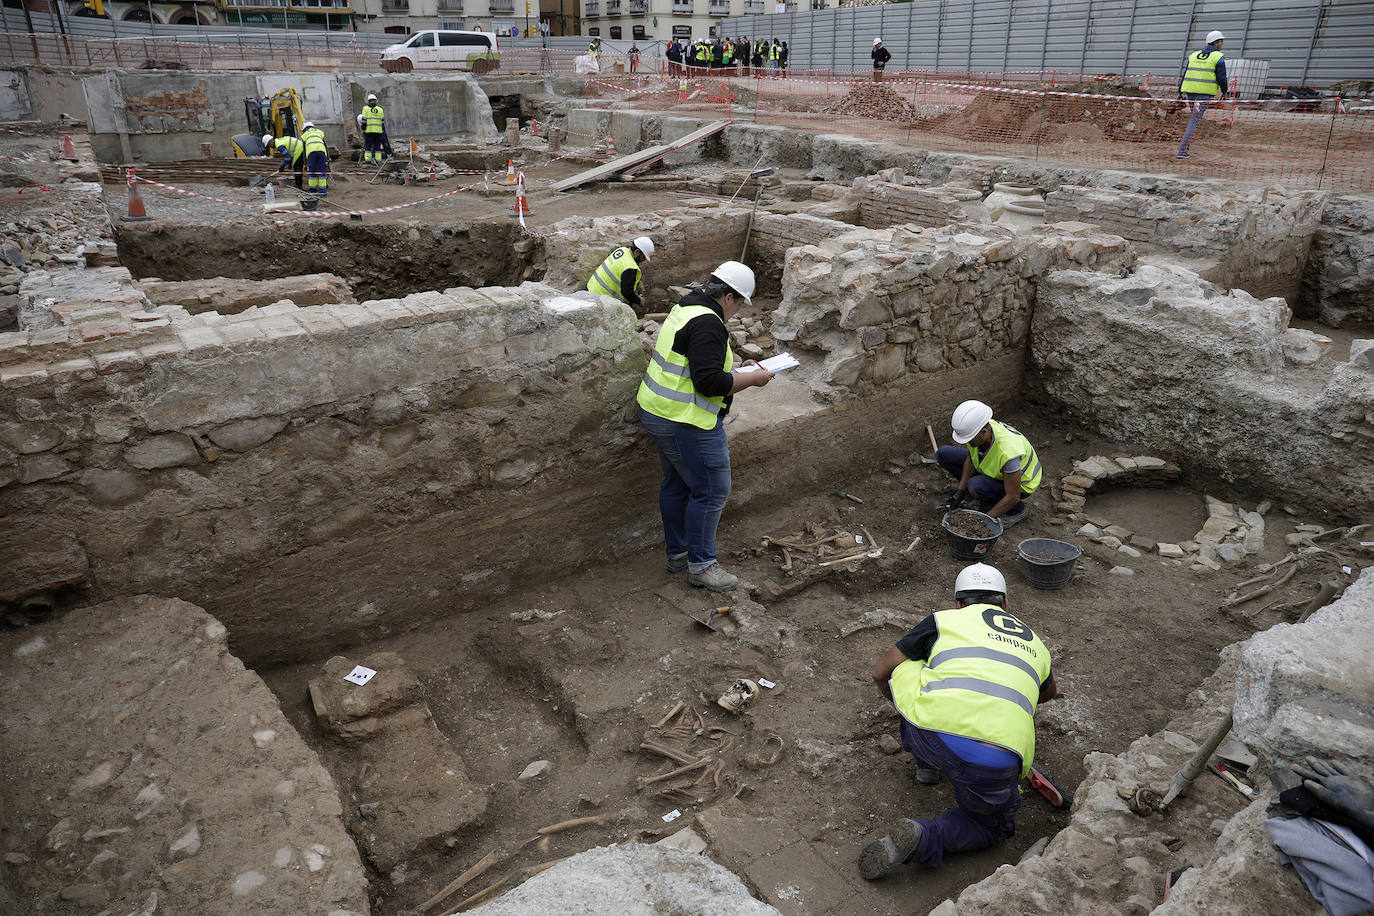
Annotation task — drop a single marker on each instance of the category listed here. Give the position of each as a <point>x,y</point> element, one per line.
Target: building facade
<point>662,20</point>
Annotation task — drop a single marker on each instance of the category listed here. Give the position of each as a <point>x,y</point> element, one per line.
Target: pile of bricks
<point>1071,493</point>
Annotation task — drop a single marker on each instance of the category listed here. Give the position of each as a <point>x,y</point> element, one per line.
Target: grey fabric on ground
<point>1334,864</point>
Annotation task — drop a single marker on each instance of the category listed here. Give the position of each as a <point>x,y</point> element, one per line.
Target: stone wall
<point>871,306</point>
<point>1255,241</point>
<point>775,233</point>
<point>687,247</point>
<point>883,204</point>
<point>1338,279</point>
<point>1206,376</point>
<point>320,456</point>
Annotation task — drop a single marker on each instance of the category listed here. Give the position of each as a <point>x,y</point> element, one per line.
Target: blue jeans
<point>1198,102</point>
<point>987,799</point>
<point>696,482</point>
<point>986,489</point>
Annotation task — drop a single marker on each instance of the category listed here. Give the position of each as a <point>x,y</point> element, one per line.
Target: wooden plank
<point>644,156</point>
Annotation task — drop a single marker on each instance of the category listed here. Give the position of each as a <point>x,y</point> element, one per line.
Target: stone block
<point>166,451</point>
<point>36,558</point>
<point>242,435</point>
<point>1170,550</point>
<point>1361,353</point>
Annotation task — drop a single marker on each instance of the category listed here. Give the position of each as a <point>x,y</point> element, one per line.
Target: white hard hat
<point>969,419</point>
<point>877,41</point>
<point>980,577</point>
<point>736,276</point>
<point>646,245</point>
<point>360,120</point>
<point>266,139</point>
<point>372,97</point>
<point>307,125</point>
<point>1214,35</point>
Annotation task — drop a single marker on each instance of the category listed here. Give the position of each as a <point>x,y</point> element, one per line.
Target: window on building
<point>594,32</point>
<point>615,31</point>
<point>638,32</point>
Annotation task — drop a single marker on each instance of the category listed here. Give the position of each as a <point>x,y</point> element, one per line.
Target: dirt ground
<point>578,671</point>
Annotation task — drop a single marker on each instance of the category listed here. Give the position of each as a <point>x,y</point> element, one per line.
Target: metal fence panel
<point>1307,42</point>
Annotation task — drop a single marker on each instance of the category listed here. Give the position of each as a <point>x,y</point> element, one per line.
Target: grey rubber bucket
<point>967,548</point>
<point>1044,573</point>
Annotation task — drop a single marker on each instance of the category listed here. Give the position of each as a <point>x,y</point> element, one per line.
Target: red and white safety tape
<point>314,213</point>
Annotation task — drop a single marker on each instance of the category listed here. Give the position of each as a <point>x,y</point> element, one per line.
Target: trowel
<point>709,622</point>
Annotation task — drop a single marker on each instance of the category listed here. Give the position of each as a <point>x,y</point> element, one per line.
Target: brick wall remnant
<point>883,204</point>
<point>1338,279</point>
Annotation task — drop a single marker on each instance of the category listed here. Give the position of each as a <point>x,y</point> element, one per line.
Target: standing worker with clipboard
<point>683,400</point>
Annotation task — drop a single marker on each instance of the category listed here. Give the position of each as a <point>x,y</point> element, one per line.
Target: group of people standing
<point>738,55</point>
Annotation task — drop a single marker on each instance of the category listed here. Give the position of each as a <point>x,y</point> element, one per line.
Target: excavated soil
<point>578,671</point>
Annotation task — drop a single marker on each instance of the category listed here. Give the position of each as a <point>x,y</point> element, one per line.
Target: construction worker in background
<point>292,150</point>
<point>782,58</point>
<point>1204,79</point>
<point>372,122</point>
<point>966,683</point>
<point>619,275</point>
<point>994,462</point>
<point>683,400</point>
<point>634,57</point>
<point>880,57</point>
<point>774,52</point>
<point>594,49</point>
<point>316,159</point>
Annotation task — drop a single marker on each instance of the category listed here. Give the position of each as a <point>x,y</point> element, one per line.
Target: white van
<point>440,49</point>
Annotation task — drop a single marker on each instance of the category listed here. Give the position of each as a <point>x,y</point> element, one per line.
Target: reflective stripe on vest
<point>372,119</point>
<point>982,680</point>
<point>667,390</point>
<point>1201,75</point>
<point>314,141</point>
<point>605,280</point>
<point>1007,444</point>
<point>292,148</point>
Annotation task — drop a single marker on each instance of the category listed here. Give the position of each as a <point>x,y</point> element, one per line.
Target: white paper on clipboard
<point>773,363</point>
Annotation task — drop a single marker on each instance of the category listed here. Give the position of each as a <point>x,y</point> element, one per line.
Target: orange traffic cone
<point>522,205</point>
<point>510,171</point>
<point>137,213</point>
<point>610,145</point>
<point>433,178</point>
<point>68,148</point>
<point>682,90</point>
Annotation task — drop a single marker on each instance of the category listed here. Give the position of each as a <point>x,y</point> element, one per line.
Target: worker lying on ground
<point>966,682</point>
<point>619,276</point>
<point>292,151</point>
<point>994,463</point>
<point>683,400</point>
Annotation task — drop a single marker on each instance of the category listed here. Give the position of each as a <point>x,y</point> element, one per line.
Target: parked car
<point>442,49</point>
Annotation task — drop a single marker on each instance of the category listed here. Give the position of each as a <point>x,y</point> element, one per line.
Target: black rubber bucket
<point>1047,563</point>
<point>309,203</point>
<point>962,547</point>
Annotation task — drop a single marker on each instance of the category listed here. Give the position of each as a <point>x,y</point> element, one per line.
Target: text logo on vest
<point>1003,622</point>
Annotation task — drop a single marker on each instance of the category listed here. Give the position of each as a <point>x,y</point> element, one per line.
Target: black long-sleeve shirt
<point>703,340</point>
<point>880,57</point>
<point>628,280</point>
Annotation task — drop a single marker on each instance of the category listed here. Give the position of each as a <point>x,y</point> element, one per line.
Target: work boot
<point>1015,515</point>
<point>881,857</point>
<point>676,564</point>
<point>714,578</point>
<point>927,776</point>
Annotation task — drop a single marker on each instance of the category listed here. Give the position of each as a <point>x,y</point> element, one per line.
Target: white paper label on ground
<point>672,815</point>
<point>359,675</point>
<point>1346,570</point>
<point>764,682</point>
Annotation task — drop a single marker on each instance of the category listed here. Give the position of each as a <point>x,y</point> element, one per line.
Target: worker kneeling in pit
<point>619,276</point>
<point>994,463</point>
<point>683,401</point>
<point>966,682</point>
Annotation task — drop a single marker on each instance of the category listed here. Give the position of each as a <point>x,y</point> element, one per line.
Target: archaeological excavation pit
<point>245,453</point>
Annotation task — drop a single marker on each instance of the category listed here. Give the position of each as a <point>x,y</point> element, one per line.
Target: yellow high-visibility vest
<point>667,390</point>
<point>1007,444</point>
<point>1201,75</point>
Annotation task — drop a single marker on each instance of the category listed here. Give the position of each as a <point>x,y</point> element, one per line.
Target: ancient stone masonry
<point>884,204</point>
<point>1208,375</point>
<point>229,297</point>
<point>686,248</point>
<point>281,430</point>
<point>1256,241</point>
<point>875,305</point>
<point>125,807</point>
<point>1338,281</point>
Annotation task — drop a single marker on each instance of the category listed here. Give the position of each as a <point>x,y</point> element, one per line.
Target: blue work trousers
<point>1197,102</point>
<point>987,800</point>
<point>986,489</point>
<point>317,165</point>
<point>696,482</point>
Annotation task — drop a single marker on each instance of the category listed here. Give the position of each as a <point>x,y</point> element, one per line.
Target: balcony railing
<point>395,6</point>
<point>818,4</point>
<point>283,4</point>
<point>639,7</point>
<point>503,6</point>
<point>682,7</point>
<point>591,8</point>
<point>720,7</point>
<point>753,6</point>
<point>612,7</point>
<point>450,6</point>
